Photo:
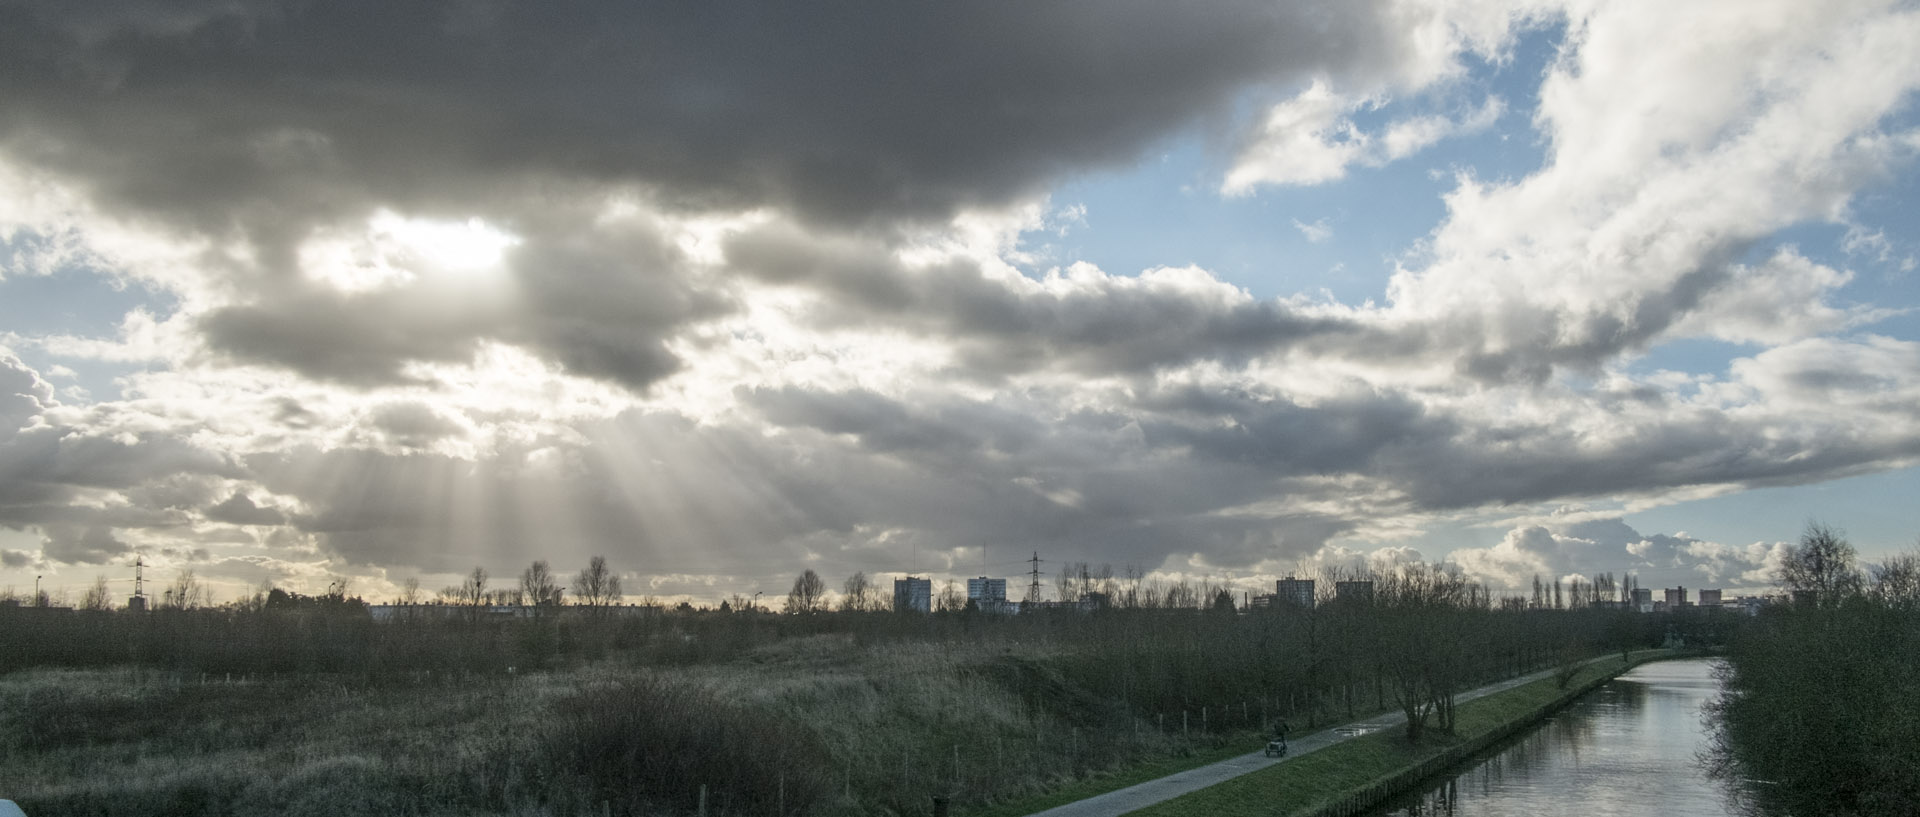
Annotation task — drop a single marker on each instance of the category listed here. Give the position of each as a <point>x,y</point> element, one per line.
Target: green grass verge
<point>1311,781</point>
<point>1235,745</point>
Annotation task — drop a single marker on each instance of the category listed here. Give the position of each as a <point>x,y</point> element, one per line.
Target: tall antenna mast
<point>1033,585</point>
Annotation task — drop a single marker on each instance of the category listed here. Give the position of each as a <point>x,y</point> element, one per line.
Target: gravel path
<point>1142,795</point>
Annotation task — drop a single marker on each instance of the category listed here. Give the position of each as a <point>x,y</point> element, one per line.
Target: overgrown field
<point>318,708</point>
<point>817,725</point>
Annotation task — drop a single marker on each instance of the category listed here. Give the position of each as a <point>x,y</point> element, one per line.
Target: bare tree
<point>98,597</point>
<point>950,598</point>
<point>1897,580</point>
<point>808,594</point>
<point>1821,567</point>
<point>186,592</point>
<point>596,586</point>
<point>1073,581</point>
<point>1181,596</point>
<point>858,593</point>
<point>473,591</point>
<point>410,591</point>
<point>1131,596</point>
<point>538,587</point>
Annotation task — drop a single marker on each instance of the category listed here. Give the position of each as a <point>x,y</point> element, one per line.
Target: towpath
<point>1142,795</point>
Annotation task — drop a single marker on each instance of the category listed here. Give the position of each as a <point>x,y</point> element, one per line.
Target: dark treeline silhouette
<point>1819,714</point>
<point>1424,634</point>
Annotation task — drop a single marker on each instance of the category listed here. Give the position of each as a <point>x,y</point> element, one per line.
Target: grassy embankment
<point>1102,781</point>
<point>1312,784</point>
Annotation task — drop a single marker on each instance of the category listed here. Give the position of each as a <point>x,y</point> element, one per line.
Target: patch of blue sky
<point>1691,356</point>
<point>1169,212</point>
<point>1280,240</point>
<point>1875,511</point>
<point>1342,237</point>
<point>75,300</point>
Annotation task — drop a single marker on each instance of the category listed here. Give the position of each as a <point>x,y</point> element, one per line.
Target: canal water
<point>1627,748</point>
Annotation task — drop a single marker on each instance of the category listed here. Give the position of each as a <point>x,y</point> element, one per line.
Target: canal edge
<point>1398,782</point>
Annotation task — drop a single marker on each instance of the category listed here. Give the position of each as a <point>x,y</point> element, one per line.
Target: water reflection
<point>1627,748</point>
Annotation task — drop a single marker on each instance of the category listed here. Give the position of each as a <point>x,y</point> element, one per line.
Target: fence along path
<point>1142,795</point>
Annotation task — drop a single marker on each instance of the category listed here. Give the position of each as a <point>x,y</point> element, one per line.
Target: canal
<point>1627,748</point>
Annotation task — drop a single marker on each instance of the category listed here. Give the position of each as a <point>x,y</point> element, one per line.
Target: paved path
<point>1142,795</point>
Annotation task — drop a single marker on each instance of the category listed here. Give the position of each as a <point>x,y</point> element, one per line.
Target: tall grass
<point>817,725</point>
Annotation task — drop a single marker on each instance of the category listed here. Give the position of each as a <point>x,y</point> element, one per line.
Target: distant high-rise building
<point>984,589</point>
<point>1709,598</point>
<point>1294,592</point>
<point>1676,598</point>
<point>1642,600</point>
<point>1358,591</point>
<point>913,595</point>
<point>989,595</point>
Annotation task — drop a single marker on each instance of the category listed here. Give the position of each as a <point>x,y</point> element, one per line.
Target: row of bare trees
<point>595,586</point>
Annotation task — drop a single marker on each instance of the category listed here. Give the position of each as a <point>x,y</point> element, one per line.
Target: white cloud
<point>1312,139</point>
<point>1305,140</point>
<point>1608,545</point>
<point>1410,136</point>
<point>1318,232</point>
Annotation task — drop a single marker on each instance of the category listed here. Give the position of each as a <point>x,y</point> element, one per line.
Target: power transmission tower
<point>138,603</point>
<point>1033,576</point>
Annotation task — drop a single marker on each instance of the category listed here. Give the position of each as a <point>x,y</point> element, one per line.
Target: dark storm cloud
<point>603,300</point>
<point>1522,464</point>
<point>413,425</point>
<point>600,300</point>
<point>882,424</point>
<point>93,545</point>
<point>846,111</point>
<point>364,340</point>
<point>1104,325</point>
<point>1277,436</point>
<point>269,121</point>
<point>1095,482</point>
<point>239,509</point>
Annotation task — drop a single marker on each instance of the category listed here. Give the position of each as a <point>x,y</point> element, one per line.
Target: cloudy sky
<point>296,290</point>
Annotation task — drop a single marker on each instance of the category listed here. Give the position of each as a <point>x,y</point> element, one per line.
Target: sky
<point>294,292</point>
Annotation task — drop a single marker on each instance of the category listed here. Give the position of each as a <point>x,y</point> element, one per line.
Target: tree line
<point>1818,713</point>
<point>595,586</point>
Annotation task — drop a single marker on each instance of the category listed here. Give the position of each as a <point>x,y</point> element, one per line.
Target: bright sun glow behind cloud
<point>455,245</point>
<point>394,250</point>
